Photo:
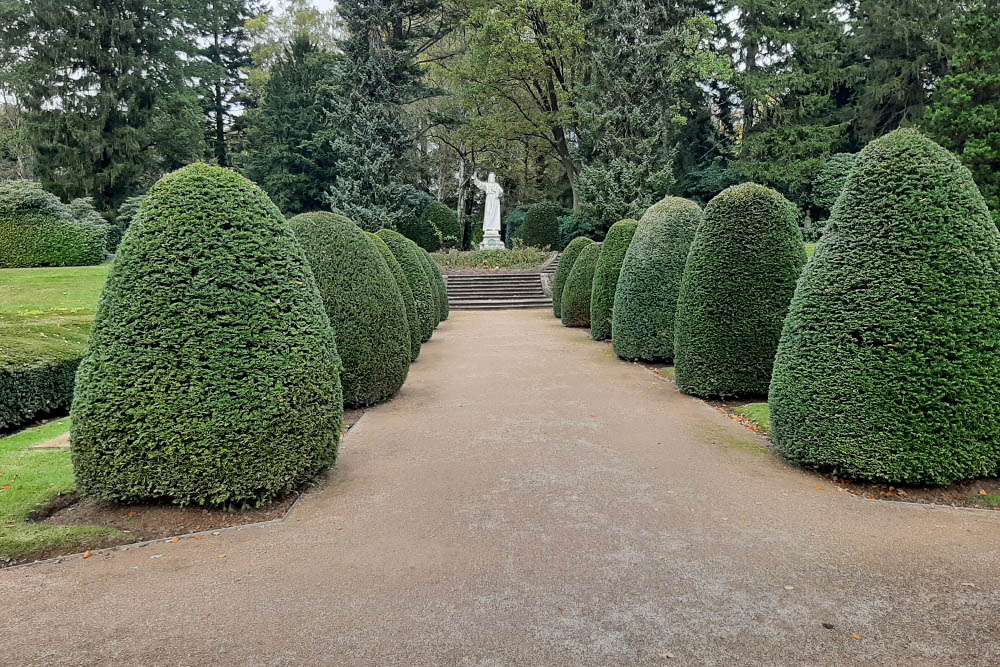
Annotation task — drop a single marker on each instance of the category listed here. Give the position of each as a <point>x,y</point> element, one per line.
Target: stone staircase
<point>496,291</point>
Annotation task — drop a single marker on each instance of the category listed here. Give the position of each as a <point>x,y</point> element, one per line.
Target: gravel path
<point>528,499</point>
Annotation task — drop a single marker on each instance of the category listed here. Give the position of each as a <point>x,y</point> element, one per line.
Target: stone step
<point>496,291</point>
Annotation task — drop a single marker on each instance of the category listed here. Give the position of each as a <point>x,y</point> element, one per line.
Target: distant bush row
<point>881,359</point>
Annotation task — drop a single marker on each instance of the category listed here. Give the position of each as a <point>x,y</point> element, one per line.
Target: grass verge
<point>756,413</point>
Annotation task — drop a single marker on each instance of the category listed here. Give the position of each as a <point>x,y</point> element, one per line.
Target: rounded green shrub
<point>740,275</point>
<point>645,303</point>
<point>408,255</point>
<point>363,302</point>
<point>541,225</point>
<point>566,262</point>
<point>576,296</point>
<point>425,264</point>
<point>421,231</point>
<point>212,375</point>
<point>888,367</point>
<point>36,229</point>
<point>609,266</point>
<point>441,290</point>
<point>445,220</point>
<point>412,319</point>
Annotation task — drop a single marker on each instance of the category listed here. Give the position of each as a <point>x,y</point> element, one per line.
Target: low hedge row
<point>30,392</point>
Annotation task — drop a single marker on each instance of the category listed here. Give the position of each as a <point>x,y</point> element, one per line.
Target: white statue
<point>491,216</point>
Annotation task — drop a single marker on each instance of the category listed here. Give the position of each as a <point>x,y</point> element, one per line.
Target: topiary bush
<point>569,256</point>
<point>541,225</point>
<point>36,229</point>
<point>609,266</point>
<point>737,284</point>
<point>408,255</point>
<point>427,263</point>
<point>575,308</point>
<point>412,319</point>
<point>212,375</point>
<point>642,319</point>
<point>84,214</point>
<point>441,290</point>
<point>421,231</point>
<point>888,367</point>
<point>365,306</point>
<point>445,220</point>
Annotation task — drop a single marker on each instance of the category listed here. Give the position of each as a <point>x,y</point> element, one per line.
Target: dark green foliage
<point>412,319</point>
<point>365,306</point>
<point>738,282</point>
<point>541,225</point>
<point>609,266</point>
<point>702,184</point>
<point>85,215</point>
<point>645,302</point>
<point>126,214</point>
<point>579,223</point>
<point>445,220</point>
<point>427,264</point>
<point>32,391</point>
<point>36,229</point>
<point>441,290</point>
<point>421,231</point>
<point>512,223</point>
<point>830,181</point>
<point>408,255</point>
<point>212,375</point>
<point>889,360</point>
<point>576,296</point>
<point>569,256</point>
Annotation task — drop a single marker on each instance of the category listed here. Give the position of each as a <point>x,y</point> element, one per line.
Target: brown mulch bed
<point>151,521</point>
<point>977,493</point>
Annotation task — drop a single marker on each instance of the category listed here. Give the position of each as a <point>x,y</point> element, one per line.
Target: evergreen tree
<point>283,154</point>
<point>965,115</point>
<point>92,76</point>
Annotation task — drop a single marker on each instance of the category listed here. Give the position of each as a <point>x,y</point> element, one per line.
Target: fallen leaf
<point>855,637</point>
<point>87,554</point>
<point>5,487</point>
<point>198,537</point>
<point>131,514</point>
<point>982,492</point>
<point>175,540</point>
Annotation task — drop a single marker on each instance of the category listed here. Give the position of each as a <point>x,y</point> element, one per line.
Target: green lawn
<point>30,478</point>
<point>758,413</point>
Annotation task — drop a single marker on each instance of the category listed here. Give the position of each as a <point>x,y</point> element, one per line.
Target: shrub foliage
<point>569,256</point>
<point>36,229</point>
<point>445,220</point>
<point>645,303</point>
<point>425,264</point>
<point>421,231</point>
<point>412,319</point>
<point>740,275</point>
<point>576,296</point>
<point>609,266</point>
<point>409,257</point>
<point>440,289</point>
<point>830,181</point>
<point>889,363</point>
<point>364,304</point>
<point>212,375</point>
<point>541,225</point>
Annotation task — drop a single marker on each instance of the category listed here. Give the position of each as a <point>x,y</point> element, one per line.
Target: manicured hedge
<point>642,323</point>
<point>441,290</point>
<point>575,308</point>
<point>566,261</point>
<point>609,266</point>
<point>445,220</point>
<point>421,231</point>
<point>364,304</point>
<point>36,229</point>
<point>212,376</point>
<point>412,319</point>
<point>408,255</point>
<point>738,282</point>
<point>426,263</point>
<point>889,363</point>
<point>541,225</point>
<point>28,392</point>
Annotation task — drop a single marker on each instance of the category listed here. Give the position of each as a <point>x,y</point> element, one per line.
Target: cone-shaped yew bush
<point>440,289</point>
<point>408,255</point>
<point>576,296</point>
<point>212,375</point>
<point>642,323</point>
<point>566,262</point>
<point>412,319</point>
<point>426,263</point>
<point>889,363</point>
<point>609,266</point>
<point>364,304</point>
<point>737,284</point>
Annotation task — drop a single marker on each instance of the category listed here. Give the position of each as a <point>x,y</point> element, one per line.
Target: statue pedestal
<point>492,242</point>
